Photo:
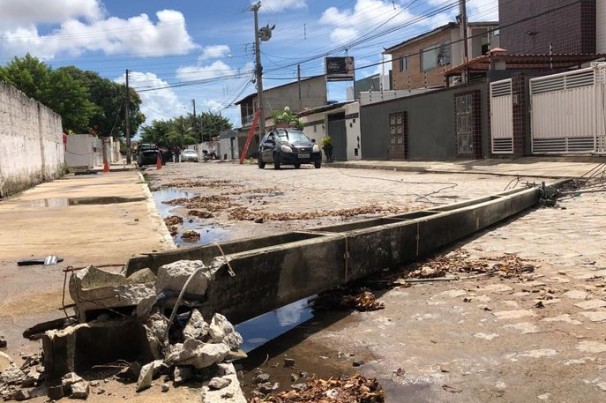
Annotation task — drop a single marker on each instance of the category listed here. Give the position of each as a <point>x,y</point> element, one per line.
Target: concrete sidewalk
<point>89,219</point>
<point>540,167</point>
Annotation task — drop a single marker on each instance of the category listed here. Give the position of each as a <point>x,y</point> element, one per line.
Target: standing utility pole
<point>127,129</point>
<point>463,24</point>
<point>200,138</point>
<point>299,81</point>
<point>259,72</point>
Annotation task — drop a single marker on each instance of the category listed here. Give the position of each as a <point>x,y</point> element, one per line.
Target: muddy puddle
<point>313,359</point>
<point>209,232</point>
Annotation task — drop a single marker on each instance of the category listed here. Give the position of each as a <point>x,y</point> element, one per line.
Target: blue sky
<point>181,50</point>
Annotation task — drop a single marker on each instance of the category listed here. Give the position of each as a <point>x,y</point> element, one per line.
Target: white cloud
<point>55,11</point>
<point>137,36</point>
<point>214,70</point>
<point>276,6</point>
<point>214,52</point>
<point>161,104</point>
<point>477,10</point>
<point>483,10</point>
<point>365,15</point>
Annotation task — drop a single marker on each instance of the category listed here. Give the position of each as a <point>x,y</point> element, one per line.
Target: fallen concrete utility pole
<point>257,275</point>
<point>125,315</point>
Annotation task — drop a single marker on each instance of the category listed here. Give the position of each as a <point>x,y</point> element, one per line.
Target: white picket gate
<point>501,116</point>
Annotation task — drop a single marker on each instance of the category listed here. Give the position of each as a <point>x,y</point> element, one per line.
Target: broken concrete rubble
<point>12,376</point>
<point>134,319</point>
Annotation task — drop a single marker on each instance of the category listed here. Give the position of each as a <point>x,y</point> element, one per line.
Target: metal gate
<point>501,116</point>
<point>336,129</point>
<point>568,112</point>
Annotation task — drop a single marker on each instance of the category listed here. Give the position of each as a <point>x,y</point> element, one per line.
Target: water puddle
<point>76,201</point>
<point>164,195</point>
<point>209,232</point>
<point>264,328</point>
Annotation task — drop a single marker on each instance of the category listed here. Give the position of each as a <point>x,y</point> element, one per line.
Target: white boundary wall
<point>31,142</point>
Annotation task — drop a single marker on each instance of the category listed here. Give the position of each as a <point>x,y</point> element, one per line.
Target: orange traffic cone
<point>105,166</point>
<point>159,162</point>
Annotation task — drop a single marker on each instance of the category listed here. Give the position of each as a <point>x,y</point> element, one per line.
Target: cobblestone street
<point>539,336</point>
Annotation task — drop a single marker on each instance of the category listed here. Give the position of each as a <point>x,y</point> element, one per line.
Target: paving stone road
<point>479,339</point>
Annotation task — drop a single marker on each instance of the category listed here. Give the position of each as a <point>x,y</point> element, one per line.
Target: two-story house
<point>420,62</point>
<point>299,95</point>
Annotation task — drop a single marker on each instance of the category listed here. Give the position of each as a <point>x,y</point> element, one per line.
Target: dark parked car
<point>147,154</point>
<point>288,147</point>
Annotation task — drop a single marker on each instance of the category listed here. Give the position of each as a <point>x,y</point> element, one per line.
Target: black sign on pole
<point>340,68</point>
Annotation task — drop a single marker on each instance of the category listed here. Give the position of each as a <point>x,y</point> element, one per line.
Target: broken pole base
<point>78,348</point>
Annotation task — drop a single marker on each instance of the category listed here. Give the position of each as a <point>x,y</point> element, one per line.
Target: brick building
<point>544,26</point>
<point>419,62</point>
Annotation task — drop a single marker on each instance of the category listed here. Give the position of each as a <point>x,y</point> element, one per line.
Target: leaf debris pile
<point>172,223</point>
<point>356,389</point>
<point>458,261</point>
<point>190,236</point>
<point>246,214</point>
<point>200,214</point>
<point>343,298</point>
<point>209,203</point>
<point>207,183</point>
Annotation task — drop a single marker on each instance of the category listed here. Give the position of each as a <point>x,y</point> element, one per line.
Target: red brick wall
<point>414,76</point>
<point>571,29</point>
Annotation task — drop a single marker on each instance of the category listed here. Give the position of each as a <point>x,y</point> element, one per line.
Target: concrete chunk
<point>173,277</point>
<point>196,328</point>
<point>80,390</point>
<point>222,331</point>
<point>196,353</point>
<point>5,361</point>
<point>156,331</point>
<point>148,372</point>
<point>12,375</point>
<point>94,289</point>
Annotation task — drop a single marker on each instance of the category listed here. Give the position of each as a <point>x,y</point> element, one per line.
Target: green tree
<point>29,75</point>
<point>108,97</point>
<point>184,130</point>
<point>62,93</point>
<point>213,124</point>
<point>86,101</point>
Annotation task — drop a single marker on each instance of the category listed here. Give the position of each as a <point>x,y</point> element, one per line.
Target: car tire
<point>260,163</point>
<point>297,166</point>
<point>318,164</point>
<point>276,161</point>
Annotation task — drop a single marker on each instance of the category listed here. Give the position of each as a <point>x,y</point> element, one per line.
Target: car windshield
<point>292,136</point>
<point>189,152</point>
